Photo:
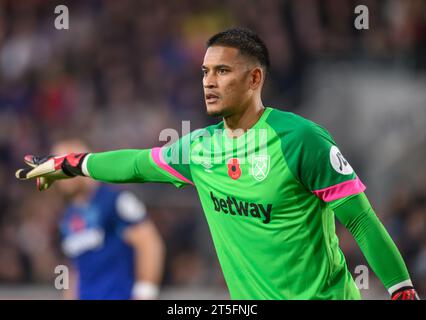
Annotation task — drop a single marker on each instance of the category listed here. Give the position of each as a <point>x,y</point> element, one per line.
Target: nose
<point>209,81</point>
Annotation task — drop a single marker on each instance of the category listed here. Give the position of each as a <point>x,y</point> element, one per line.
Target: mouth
<point>211,98</point>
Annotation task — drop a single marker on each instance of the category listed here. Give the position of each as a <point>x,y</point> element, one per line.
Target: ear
<point>256,78</point>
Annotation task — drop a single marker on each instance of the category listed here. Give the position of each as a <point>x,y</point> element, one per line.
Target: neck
<point>243,120</point>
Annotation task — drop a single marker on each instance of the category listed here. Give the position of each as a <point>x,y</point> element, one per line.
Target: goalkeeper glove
<point>48,169</point>
<point>405,293</point>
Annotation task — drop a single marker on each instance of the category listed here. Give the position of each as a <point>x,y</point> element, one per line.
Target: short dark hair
<point>246,41</point>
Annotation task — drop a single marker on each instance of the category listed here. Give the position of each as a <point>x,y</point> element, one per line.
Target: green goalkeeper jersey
<point>267,196</point>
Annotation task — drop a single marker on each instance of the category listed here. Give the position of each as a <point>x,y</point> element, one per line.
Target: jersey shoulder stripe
<point>175,158</point>
<point>340,190</point>
<point>157,157</point>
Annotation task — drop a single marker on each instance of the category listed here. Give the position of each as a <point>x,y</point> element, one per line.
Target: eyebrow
<point>219,66</point>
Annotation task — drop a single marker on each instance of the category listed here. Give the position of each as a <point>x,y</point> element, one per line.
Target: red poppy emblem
<point>234,170</point>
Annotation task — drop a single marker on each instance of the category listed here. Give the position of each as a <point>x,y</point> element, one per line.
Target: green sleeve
<point>357,215</point>
<point>127,166</point>
<point>314,158</point>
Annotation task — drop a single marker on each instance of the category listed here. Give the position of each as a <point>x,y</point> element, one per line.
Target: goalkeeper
<point>270,183</point>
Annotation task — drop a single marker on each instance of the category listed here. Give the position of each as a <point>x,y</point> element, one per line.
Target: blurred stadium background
<point>127,69</point>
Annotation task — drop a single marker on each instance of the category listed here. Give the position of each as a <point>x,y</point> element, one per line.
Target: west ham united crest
<point>260,167</point>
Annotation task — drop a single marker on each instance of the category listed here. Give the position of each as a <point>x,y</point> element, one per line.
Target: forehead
<point>220,55</point>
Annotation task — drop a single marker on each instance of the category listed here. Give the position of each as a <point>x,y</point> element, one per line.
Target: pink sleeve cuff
<point>341,190</point>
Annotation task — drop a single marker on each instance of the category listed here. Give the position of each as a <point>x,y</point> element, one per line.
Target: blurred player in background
<point>117,252</point>
<point>270,206</point>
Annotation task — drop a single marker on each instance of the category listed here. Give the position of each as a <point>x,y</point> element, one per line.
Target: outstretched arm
<point>357,215</point>
<point>121,166</point>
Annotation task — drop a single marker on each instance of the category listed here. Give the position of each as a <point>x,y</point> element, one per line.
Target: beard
<point>220,113</point>
<point>213,111</point>
<point>215,114</point>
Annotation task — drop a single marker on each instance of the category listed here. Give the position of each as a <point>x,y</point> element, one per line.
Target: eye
<point>222,71</point>
<point>204,72</point>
